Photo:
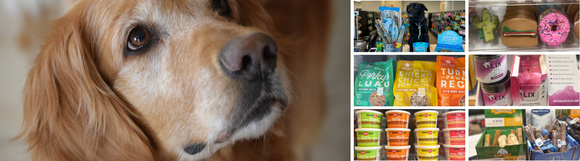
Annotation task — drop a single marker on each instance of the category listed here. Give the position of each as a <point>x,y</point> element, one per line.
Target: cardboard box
<point>504,120</point>
<point>570,154</point>
<point>563,80</point>
<point>521,96</point>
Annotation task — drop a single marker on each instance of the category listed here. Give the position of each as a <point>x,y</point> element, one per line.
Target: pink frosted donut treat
<point>553,27</point>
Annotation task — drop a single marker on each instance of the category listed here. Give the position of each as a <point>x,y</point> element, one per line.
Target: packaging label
<point>426,120</point>
<point>457,137</point>
<point>397,154</point>
<point>455,120</point>
<point>497,99</point>
<point>368,154</point>
<point>490,71</point>
<point>563,80</point>
<point>368,138</point>
<point>398,138</point>
<point>456,153</point>
<point>370,120</point>
<point>397,120</point>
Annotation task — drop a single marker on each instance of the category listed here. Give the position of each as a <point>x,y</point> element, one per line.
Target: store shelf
<point>500,3</point>
<point>498,8</point>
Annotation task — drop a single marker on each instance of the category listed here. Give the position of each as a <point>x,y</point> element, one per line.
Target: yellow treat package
<point>415,83</point>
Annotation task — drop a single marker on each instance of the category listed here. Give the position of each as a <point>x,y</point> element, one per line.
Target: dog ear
<point>423,6</point>
<point>70,113</point>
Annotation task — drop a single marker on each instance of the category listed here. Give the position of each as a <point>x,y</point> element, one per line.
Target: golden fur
<point>85,100</point>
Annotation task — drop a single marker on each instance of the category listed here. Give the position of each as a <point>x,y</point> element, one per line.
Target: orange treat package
<point>451,81</point>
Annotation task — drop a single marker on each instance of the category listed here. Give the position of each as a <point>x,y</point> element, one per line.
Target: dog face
<point>200,74</point>
<point>416,12</point>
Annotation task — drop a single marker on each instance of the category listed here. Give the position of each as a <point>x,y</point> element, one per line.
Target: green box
<point>504,120</point>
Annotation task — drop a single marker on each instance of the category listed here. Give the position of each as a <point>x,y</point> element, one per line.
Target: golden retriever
<point>179,80</point>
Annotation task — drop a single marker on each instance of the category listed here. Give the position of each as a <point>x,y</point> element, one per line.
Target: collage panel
<point>524,26</point>
<point>523,134</point>
<point>409,26</point>
<point>409,134</point>
<point>524,80</point>
<point>409,80</point>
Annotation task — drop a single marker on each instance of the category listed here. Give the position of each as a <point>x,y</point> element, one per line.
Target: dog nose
<point>251,55</point>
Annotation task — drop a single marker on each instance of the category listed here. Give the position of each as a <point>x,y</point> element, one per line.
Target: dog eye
<point>138,38</point>
<point>222,7</point>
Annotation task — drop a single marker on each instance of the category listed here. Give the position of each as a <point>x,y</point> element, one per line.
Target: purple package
<point>529,85</point>
<point>498,93</point>
<point>490,68</point>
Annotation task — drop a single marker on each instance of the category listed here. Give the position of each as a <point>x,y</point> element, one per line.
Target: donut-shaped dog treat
<point>553,28</point>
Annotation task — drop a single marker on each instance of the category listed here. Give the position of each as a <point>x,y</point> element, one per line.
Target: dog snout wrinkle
<point>251,56</point>
<point>195,148</point>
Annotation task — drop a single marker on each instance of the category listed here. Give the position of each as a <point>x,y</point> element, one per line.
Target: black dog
<point>418,24</point>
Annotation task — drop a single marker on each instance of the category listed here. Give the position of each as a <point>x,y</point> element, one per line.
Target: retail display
<point>550,141</point>
<point>433,81</point>
<point>391,28</point>
<point>447,21</point>
<point>487,25</point>
<point>421,141</point>
<point>374,84</point>
<point>539,25</point>
<point>414,85</point>
<point>503,125</point>
<point>407,28</point>
<point>451,81</point>
<point>449,41</point>
<point>534,80</point>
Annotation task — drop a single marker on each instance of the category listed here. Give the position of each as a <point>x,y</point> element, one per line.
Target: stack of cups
<point>492,73</point>
<point>454,135</point>
<point>368,135</point>
<point>397,134</point>
<point>427,135</point>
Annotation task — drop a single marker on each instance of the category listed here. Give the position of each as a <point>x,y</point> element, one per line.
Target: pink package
<point>529,80</point>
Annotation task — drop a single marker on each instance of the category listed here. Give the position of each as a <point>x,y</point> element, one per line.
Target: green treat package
<point>374,84</point>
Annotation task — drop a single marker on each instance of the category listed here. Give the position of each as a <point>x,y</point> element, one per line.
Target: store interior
<point>410,134</point>
<point>439,16</point>
<point>533,134</point>
<point>409,80</point>
<point>524,26</point>
<point>524,80</point>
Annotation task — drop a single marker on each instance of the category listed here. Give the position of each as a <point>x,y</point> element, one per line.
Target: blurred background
<point>22,32</point>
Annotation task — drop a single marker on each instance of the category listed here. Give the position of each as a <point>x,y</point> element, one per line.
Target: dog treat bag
<point>451,81</point>
<point>414,85</point>
<point>374,84</point>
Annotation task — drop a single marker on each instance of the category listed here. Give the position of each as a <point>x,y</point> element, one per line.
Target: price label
<point>539,142</point>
